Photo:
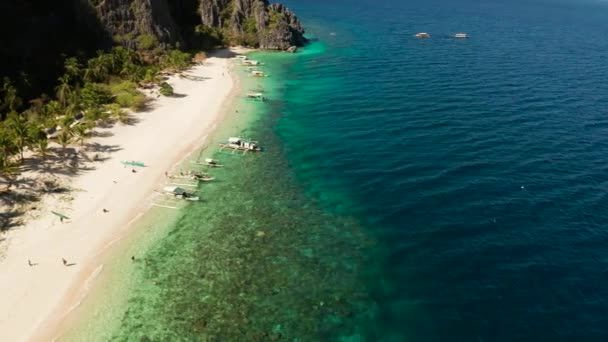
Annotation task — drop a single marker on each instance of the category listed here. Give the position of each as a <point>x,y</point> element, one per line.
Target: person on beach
<point>133,171</point>
<point>105,210</point>
<point>61,219</point>
<point>65,262</point>
<point>29,262</point>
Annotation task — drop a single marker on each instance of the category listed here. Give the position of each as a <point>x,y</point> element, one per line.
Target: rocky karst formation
<point>37,35</point>
<point>253,22</point>
<point>146,24</point>
<point>136,24</point>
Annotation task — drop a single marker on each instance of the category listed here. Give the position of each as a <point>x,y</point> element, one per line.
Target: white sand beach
<point>35,295</point>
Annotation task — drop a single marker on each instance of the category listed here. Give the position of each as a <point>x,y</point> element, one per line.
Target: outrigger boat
<point>209,162</point>
<point>193,175</point>
<point>259,97</point>
<point>174,195</point>
<point>251,62</point>
<point>258,89</point>
<point>241,57</point>
<point>179,193</point>
<point>461,35</point>
<point>239,144</point>
<point>258,73</point>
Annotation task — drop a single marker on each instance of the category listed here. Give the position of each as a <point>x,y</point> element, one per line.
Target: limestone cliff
<point>253,22</point>
<point>138,24</point>
<point>147,24</point>
<point>37,35</point>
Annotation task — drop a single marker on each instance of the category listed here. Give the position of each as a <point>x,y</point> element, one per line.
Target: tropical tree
<point>98,68</point>
<point>52,109</point>
<point>177,60</point>
<point>117,113</point>
<point>10,100</point>
<point>18,129</point>
<point>73,70</point>
<point>95,95</point>
<point>64,90</point>
<point>42,145</point>
<point>65,137</point>
<point>8,149</point>
<point>80,133</point>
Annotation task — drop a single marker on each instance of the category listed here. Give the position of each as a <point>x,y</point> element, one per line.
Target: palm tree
<point>7,169</point>
<point>11,100</point>
<point>64,90</point>
<point>19,130</point>
<point>52,109</point>
<point>118,113</point>
<point>80,132</point>
<point>7,144</point>
<point>42,145</point>
<point>65,137</point>
<point>98,69</point>
<point>7,150</point>
<point>72,69</point>
<point>37,139</point>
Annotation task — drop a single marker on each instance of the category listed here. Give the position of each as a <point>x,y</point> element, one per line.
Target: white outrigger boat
<point>241,57</point>
<point>461,35</point>
<point>258,73</point>
<point>240,144</point>
<point>258,97</point>
<point>193,175</point>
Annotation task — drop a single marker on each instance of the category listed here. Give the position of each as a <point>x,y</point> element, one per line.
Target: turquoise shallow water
<point>409,190</point>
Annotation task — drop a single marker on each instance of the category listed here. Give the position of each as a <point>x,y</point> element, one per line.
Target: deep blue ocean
<point>479,166</point>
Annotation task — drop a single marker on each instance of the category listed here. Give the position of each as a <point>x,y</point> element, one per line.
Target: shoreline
<point>36,300</point>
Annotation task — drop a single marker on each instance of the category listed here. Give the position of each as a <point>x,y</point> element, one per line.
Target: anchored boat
<point>179,193</point>
<point>251,62</point>
<point>193,175</point>
<point>258,73</point>
<point>258,97</point>
<point>461,35</point>
<point>240,144</point>
<point>422,35</point>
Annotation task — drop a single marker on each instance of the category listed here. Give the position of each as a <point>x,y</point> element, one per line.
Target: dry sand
<point>35,296</point>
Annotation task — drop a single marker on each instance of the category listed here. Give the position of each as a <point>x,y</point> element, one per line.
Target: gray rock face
<point>126,20</point>
<point>247,22</point>
<point>254,22</point>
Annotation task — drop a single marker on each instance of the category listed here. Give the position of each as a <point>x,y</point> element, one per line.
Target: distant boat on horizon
<point>461,35</point>
<point>422,35</point>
